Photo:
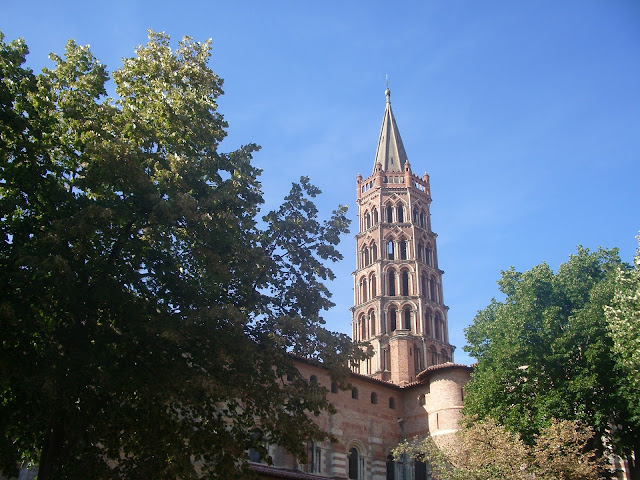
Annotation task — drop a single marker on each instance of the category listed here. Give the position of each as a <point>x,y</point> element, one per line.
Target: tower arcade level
<point>398,301</point>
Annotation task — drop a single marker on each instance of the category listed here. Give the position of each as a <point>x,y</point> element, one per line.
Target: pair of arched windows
<point>369,219</point>
<point>365,327</point>
<point>425,254</point>
<point>402,250</point>
<point>369,254</point>
<point>434,326</point>
<point>396,323</point>
<point>404,283</point>
<point>430,288</point>
<point>438,357</point>
<point>399,216</point>
<point>367,288</point>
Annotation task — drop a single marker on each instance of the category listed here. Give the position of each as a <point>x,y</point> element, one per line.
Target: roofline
<point>277,472</point>
<point>442,366</point>
<point>420,377</point>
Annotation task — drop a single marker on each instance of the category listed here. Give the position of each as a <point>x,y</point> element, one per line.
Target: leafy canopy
<point>147,316</point>
<point>623,316</point>
<point>545,353</point>
<point>485,450</point>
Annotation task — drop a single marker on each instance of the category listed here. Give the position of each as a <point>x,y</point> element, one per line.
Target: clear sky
<point>526,115</point>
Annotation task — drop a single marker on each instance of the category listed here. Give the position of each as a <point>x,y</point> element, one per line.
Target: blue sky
<point>526,115</point>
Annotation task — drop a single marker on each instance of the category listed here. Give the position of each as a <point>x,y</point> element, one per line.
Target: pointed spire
<point>390,153</point>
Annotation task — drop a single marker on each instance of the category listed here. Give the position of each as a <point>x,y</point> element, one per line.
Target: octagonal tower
<point>398,304</point>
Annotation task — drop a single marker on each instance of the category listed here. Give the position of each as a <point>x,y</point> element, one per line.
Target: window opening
<point>392,318</point>
<point>391,468</point>
<point>354,460</point>
<point>392,283</point>
<point>407,318</point>
<point>405,283</point>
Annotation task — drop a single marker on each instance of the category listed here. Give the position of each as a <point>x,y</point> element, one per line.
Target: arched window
<point>405,283</point>
<point>374,251</point>
<point>438,327</point>
<point>372,282</point>
<point>372,323</point>
<point>421,252</point>
<point>407,318</point>
<point>403,250</point>
<point>391,278</point>
<point>366,256</point>
<point>425,284</point>
<point>391,468</point>
<point>374,398</point>
<point>432,290</point>
<point>390,250</point>
<point>354,393</point>
<point>417,358</point>
<point>389,213</point>
<point>429,255</point>
<point>363,289</point>
<point>400,213</point>
<point>354,464</point>
<point>367,220</point>
<point>363,327</point>
<point>427,323</point>
<point>392,318</point>
<point>392,403</point>
<point>375,216</point>
<point>422,220</point>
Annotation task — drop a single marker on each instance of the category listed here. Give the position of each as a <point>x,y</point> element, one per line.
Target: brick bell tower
<point>398,303</point>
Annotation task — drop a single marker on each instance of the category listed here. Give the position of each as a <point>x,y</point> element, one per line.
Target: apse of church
<point>398,299</point>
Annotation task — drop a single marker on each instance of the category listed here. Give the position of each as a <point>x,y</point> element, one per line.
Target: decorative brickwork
<point>398,304</point>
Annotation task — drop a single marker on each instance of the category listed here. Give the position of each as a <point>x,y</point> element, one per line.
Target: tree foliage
<point>484,450</point>
<point>148,317</point>
<point>623,317</point>
<point>544,353</point>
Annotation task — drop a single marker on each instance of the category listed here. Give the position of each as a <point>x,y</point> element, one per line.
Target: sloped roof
<point>390,153</point>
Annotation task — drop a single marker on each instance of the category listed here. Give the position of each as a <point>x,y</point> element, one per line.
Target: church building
<point>410,386</point>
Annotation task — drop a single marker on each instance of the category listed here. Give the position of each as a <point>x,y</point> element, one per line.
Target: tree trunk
<point>52,449</point>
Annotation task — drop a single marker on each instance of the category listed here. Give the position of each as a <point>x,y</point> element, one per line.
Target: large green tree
<point>623,315</point>
<point>148,314</point>
<point>544,353</point>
